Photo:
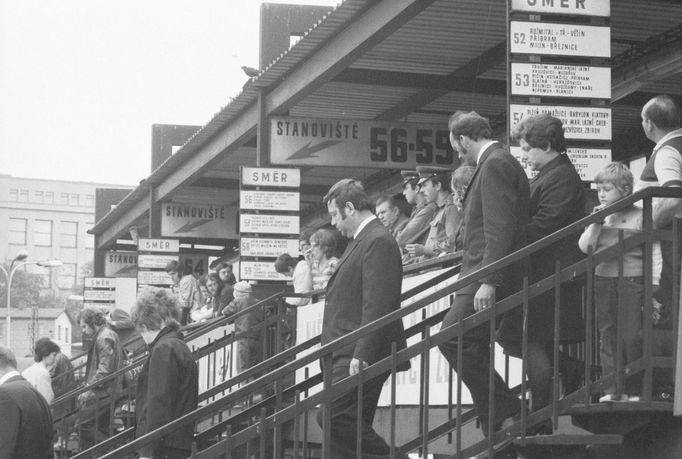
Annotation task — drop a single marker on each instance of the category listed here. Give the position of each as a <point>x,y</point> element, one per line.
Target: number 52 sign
<point>327,142</point>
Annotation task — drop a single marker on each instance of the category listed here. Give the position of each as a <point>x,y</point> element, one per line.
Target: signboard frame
<point>570,127</point>
<point>572,7</point>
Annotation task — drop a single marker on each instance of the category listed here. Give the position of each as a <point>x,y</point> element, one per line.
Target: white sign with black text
<point>271,177</point>
<point>587,161</point>
<point>589,123</point>
<point>270,200</point>
<point>269,224</point>
<point>560,39</point>
<point>267,247</point>
<point>559,80</point>
<point>572,7</point>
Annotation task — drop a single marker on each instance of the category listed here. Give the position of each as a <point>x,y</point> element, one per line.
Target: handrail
<point>230,338</point>
<point>466,324</point>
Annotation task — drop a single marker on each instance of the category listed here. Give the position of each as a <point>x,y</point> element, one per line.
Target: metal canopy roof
<point>407,60</point>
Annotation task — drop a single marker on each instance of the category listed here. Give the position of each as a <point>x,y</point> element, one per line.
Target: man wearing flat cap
<point>417,228</point>
<point>434,183</point>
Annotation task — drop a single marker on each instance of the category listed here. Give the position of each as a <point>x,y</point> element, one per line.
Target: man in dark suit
<point>26,427</point>
<point>365,287</point>
<point>494,225</point>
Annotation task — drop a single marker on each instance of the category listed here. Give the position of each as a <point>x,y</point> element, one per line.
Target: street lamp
<point>20,257</point>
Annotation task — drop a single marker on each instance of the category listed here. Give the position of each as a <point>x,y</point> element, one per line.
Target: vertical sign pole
<point>262,132</point>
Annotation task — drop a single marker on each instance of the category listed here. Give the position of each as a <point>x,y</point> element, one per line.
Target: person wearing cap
<point>417,228</point>
<point>248,326</point>
<point>120,321</point>
<point>387,211</point>
<point>434,183</point>
<point>495,217</point>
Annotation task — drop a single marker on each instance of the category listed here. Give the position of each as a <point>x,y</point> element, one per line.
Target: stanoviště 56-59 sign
<point>350,143</point>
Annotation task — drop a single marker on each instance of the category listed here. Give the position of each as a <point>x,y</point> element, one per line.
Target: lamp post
<point>21,256</point>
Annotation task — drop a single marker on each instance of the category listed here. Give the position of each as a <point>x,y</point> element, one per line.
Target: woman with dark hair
<point>168,385</point>
<point>557,199</point>
<point>222,293</point>
<point>322,259</point>
<point>38,374</point>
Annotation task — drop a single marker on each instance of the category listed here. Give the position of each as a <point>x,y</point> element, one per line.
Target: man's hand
<point>485,297</point>
<point>354,367</point>
<point>85,397</point>
<point>415,250</point>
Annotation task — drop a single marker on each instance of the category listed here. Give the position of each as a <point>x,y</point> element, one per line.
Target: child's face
<point>608,193</point>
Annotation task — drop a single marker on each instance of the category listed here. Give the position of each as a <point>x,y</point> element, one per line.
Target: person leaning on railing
<point>168,384</point>
<point>249,345</point>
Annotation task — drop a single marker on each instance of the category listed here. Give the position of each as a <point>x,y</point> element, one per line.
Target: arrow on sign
<point>126,270</point>
<point>191,226</point>
<point>309,152</point>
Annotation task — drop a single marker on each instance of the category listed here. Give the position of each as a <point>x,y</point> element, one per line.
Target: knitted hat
<point>243,287</point>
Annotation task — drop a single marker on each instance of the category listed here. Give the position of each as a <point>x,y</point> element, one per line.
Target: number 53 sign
<point>326,142</point>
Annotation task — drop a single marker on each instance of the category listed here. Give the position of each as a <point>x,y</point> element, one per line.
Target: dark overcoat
<point>557,199</point>
<point>167,388</point>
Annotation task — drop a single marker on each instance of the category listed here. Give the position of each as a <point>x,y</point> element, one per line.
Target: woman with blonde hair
<point>321,258</point>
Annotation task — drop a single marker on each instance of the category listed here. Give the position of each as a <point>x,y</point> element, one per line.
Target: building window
<point>75,199</point>
<point>13,194</point>
<point>59,332</point>
<point>39,196</point>
<point>69,236</point>
<point>49,197</point>
<point>67,276</point>
<point>23,195</point>
<point>89,238</point>
<point>45,276</point>
<point>90,200</point>
<point>64,197</point>
<point>43,233</point>
<point>17,231</point>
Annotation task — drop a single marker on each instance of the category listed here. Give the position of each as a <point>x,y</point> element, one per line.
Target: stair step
<point>619,407</point>
<point>569,440</point>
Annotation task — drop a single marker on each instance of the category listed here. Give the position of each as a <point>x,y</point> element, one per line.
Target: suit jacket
<point>495,216</point>
<point>26,426</point>
<point>365,287</point>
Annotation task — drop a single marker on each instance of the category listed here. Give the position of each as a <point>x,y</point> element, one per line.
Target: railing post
<point>394,369</point>
<point>327,406</point>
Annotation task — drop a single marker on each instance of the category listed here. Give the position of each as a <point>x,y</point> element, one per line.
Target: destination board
<point>257,247</point>
<point>558,80</point>
<point>559,39</point>
<point>155,261</point>
<point>272,177</point>
<point>260,270</point>
<point>591,123</point>
<point>99,295</point>
<point>270,200</point>
<point>99,282</point>
<point>570,7</point>
<point>269,224</point>
<point>587,161</point>
<point>158,245</point>
<point>153,278</point>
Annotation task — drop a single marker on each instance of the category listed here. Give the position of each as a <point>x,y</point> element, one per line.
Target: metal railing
<point>259,427</point>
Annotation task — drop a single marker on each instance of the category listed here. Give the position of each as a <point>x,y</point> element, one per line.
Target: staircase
<point>231,423</point>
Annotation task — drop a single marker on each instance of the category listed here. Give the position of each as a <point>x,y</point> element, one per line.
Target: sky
<point>82,81</point>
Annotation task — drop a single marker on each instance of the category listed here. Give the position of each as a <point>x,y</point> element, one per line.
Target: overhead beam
<point>657,64</point>
<point>421,81</point>
<point>374,25</point>
<point>464,78</point>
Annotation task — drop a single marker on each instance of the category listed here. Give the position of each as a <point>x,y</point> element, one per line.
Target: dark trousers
<point>94,428</point>
<point>344,414</point>
<point>664,294</point>
<point>476,362</point>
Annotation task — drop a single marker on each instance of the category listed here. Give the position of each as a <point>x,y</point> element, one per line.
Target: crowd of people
<point>487,208</point>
